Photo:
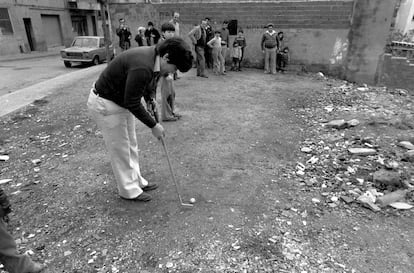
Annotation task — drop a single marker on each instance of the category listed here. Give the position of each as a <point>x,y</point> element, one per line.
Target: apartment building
<point>27,25</point>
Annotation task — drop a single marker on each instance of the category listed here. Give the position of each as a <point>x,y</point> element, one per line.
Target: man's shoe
<point>178,116</point>
<point>150,187</point>
<point>143,197</point>
<point>36,267</point>
<point>204,76</point>
<point>170,119</point>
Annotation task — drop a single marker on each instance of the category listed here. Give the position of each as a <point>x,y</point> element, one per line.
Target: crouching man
<point>115,100</point>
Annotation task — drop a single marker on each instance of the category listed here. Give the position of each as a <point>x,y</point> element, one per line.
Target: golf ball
<point>192,200</point>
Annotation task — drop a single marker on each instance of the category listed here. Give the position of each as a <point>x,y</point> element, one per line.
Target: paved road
<point>19,74</point>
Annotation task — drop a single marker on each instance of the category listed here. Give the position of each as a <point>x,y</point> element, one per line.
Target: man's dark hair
<point>150,23</point>
<point>225,22</point>
<point>167,27</point>
<point>240,30</point>
<point>285,49</point>
<point>207,18</point>
<point>179,53</point>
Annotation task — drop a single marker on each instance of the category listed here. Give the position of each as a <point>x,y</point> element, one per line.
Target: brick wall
<point>288,14</point>
<point>315,31</point>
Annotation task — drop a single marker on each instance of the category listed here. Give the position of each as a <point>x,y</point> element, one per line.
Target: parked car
<point>86,49</point>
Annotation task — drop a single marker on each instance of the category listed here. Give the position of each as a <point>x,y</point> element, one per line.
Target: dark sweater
<point>269,40</point>
<point>128,78</point>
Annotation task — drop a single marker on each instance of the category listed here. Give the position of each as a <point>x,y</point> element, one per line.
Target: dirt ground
<point>233,150</point>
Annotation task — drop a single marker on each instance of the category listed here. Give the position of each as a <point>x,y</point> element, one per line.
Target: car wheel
<point>67,63</point>
<point>95,60</point>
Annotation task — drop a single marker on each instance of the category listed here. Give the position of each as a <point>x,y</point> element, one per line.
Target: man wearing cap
<point>269,46</point>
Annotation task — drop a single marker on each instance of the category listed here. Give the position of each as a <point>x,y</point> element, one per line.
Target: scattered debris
<point>4,181</point>
<point>362,151</point>
<point>406,144</point>
<point>4,157</point>
<point>387,177</point>
<point>391,197</point>
<point>401,205</point>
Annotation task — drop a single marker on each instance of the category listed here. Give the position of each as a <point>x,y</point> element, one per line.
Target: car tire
<point>67,64</point>
<point>95,60</point>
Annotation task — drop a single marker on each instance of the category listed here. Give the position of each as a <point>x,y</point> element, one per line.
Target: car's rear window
<point>85,42</point>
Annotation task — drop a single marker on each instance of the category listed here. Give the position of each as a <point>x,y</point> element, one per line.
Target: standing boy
<point>241,40</point>
<point>236,54</point>
<point>115,100</point>
<point>218,59</point>
<point>269,47</point>
<point>167,83</point>
<point>225,41</point>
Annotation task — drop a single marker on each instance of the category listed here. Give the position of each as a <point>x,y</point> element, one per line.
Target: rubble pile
<point>361,149</point>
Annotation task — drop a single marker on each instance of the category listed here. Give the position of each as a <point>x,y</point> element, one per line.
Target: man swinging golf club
<point>115,99</point>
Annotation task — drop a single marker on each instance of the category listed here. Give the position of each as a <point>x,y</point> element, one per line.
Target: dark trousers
<point>12,261</point>
<point>209,56</point>
<point>281,62</point>
<point>241,58</point>
<point>201,61</point>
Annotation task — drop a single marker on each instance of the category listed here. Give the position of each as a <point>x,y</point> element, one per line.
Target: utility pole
<point>105,28</point>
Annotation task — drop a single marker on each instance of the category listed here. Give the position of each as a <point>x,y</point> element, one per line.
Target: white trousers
<point>117,125</point>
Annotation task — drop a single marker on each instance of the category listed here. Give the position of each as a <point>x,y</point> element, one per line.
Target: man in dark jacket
<point>11,260</point>
<point>124,35</point>
<point>152,34</point>
<point>115,100</point>
<point>269,47</point>
<point>198,37</point>
<point>208,50</point>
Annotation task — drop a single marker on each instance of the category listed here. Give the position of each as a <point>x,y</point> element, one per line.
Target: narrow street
<point>18,74</point>
<point>236,150</point>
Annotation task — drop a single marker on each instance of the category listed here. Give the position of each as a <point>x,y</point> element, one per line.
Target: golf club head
<point>187,205</point>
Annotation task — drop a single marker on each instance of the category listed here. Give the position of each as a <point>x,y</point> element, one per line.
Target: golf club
<point>177,187</point>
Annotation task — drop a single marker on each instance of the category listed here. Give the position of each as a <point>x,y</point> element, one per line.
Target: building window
<point>5,23</point>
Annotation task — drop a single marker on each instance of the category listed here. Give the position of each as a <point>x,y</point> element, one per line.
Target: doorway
<point>95,33</point>
<point>29,33</point>
<point>52,30</point>
<point>79,25</point>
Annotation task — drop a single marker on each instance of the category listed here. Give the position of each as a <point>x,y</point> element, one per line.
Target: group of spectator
<point>211,46</point>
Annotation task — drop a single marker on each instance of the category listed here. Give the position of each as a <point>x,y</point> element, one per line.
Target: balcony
<point>83,4</point>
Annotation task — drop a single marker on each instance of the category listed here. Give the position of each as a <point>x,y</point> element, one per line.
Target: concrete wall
<point>315,31</point>
<point>367,38</point>
<point>397,72</point>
